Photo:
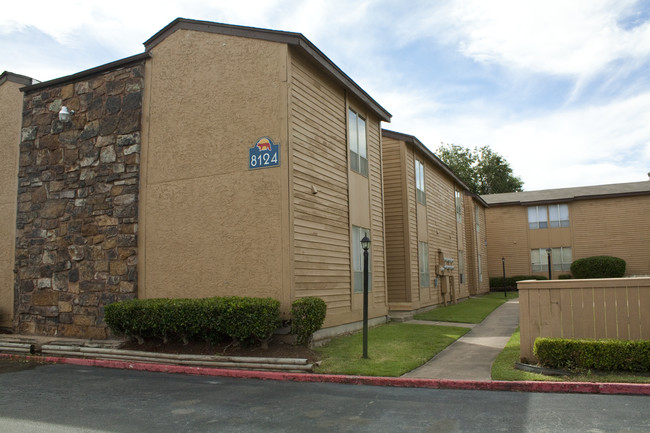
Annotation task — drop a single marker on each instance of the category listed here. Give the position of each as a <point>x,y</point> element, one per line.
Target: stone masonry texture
<point>77,219</point>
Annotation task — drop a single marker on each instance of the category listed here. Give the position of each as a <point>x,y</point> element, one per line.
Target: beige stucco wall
<point>209,225</point>
<point>11,101</point>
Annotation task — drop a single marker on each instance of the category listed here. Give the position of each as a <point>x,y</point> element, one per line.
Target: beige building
<point>11,104</point>
<point>574,223</point>
<point>224,160</point>
<point>435,229</point>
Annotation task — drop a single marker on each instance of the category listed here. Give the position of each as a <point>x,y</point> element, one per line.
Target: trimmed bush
<point>307,317</point>
<point>496,283</point>
<point>598,267</point>
<point>603,355</point>
<point>212,319</point>
<point>564,277</point>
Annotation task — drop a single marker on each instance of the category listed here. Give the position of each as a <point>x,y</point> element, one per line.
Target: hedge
<point>598,267</point>
<point>496,283</point>
<point>241,319</point>
<point>307,317</point>
<point>603,355</point>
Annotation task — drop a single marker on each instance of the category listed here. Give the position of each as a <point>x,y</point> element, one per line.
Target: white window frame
<point>558,215</point>
<point>459,205</point>
<point>423,261</point>
<point>358,143</point>
<point>419,182</point>
<point>357,259</point>
<point>537,217</point>
<point>539,260</point>
<point>562,258</point>
<point>476,217</point>
<point>480,269</point>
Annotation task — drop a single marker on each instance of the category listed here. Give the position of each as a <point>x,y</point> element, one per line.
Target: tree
<point>482,170</point>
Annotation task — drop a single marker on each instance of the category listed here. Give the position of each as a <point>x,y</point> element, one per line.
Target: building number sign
<point>264,154</point>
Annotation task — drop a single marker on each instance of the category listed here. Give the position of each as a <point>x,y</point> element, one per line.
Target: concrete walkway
<point>472,355</point>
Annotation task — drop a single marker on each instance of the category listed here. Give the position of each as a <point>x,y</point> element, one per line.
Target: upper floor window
<point>558,215</point>
<point>476,218</point>
<point>554,216</point>
<point>537,217</point>
<point>419,182</point>
<point>358,145</point>
<point>459,206</point>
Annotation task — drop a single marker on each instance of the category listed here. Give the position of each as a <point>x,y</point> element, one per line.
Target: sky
<point>561,89</point>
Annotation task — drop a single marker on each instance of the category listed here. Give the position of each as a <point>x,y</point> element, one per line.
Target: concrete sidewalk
<point>472,355</point>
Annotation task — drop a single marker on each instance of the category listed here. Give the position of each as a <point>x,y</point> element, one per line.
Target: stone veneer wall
<point>77,220</point>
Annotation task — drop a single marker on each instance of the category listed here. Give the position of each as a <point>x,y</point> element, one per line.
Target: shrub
<point>242,319</point>
<point>307,317</point>
<point>564,277</point>
<point>598,267</point>
<point>496,283</point>
<point>603,355</point>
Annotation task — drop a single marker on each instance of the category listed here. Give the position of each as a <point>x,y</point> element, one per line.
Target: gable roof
<point>296,40</point>
<point>15,78</point>
<point>431,157</point>
<point>568,194</point>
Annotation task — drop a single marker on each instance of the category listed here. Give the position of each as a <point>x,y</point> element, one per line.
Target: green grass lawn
<point>393,349</point>
<point>472,310</point>
<point>503,368</point>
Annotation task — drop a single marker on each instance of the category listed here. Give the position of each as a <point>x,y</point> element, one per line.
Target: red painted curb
<point>513,386</point>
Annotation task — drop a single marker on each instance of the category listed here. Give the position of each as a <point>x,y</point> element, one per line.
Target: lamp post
<point>503,263</point>
<point>365,244</point>
<point>548,254</point>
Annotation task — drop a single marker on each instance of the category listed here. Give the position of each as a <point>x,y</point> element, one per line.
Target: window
<point>561,258</point>
<point>459,206</point>
<point>419,182</point>
<point>537,217</point>
<point>558,215</point>
<point>480,269</point>
<point>461,266</point>
<point>476,218</point>
<point>357,258</point>
<point>539,260</point>
<point>423,255</point>
<point>358,145</point>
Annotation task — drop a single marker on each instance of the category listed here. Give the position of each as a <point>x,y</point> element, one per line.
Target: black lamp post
<point>548,254</point>
<point>503,263</point>
<point>365,244</point>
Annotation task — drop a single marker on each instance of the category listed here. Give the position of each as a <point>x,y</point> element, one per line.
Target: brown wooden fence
<point>617,308</point>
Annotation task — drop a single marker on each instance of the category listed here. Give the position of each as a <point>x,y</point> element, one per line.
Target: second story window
<point>558,215</point>
<point>537,217</point>
<point>554,216</point>
<point>419,182</point>
<point>358,145</point>
<point>459,206</point>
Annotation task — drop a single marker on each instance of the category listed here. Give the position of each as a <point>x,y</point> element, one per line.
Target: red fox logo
<point>264,145</point>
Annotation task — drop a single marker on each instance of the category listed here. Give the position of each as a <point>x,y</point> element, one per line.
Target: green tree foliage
<point>484,171</point>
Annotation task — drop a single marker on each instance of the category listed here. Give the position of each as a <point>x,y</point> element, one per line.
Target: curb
<point>514,386</point>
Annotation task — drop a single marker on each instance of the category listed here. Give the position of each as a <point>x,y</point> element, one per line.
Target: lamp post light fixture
<point>365,244</point>
<point>65,114</point>
<point>503,263</point>
<point>548,254</point>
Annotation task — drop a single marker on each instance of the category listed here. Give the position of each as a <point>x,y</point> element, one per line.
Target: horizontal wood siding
<point>617,227</point>
<point>395,221</point>
<point>507,234</point>
<point>412,225</point>
<point>441,208</point>
<point>321,222</point>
